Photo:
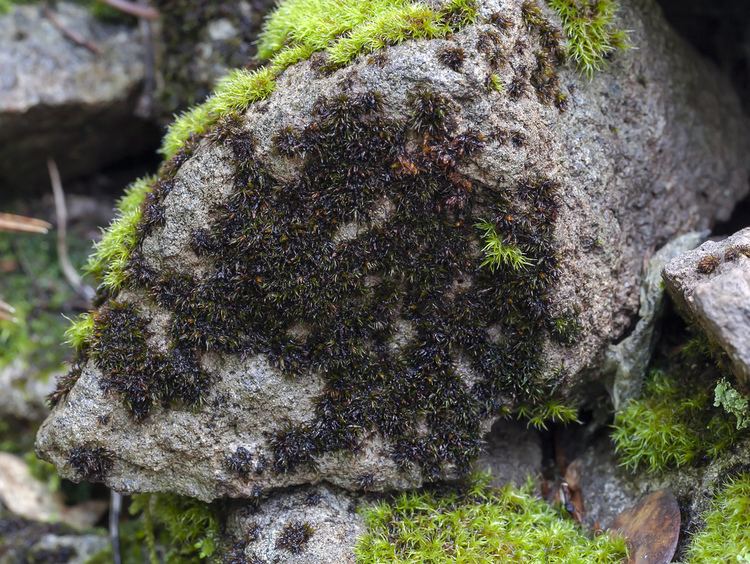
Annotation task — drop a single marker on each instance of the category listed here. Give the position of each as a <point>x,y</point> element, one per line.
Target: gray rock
<point>711,287</point>
<point>58,99</point>
<point>307,525</point>
<point>513,454</point>
<point>628,360</point>
<point>199,42</point>
<point>25,392</point>
<point>653,147</point>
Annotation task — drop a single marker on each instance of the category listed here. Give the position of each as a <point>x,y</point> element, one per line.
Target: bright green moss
<point>342,29</point>
<point>479,525</point>
<point>111,254</point>
<point>671,426</point>
<point>726,535</point>
<point>539,416</point>
<point>497,253</point>
<point>591,31</point>
<point>80,331</point>
<point>496,83</point>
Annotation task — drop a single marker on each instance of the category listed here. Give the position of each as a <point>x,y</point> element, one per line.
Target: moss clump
<point>479,525</point>
<point>298,28</point>
<point>111,254</point>
<point>294,537</point>
<point>592,35</point>
<point>675,423</point>
<point>497,253</point>
<point>727,531</point>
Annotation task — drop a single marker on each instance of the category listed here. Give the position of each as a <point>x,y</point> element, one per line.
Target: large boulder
<point>59,99</point>
<point>353,279</point>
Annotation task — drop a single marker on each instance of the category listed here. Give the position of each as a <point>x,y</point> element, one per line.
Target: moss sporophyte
<point>275,260</point>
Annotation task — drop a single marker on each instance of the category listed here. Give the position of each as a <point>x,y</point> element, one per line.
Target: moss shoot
<point>479,524</point>
<point>678,421</point>
<point>592,35</point>
<point>727,529</point>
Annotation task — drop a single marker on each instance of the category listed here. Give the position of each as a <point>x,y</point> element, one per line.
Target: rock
<point>27,497</point>
<point>312,524</point>
<point>513,454</point>
<point>199,42</point>
<point>628,360</point>
<point>25,392</point>
<point>29,541</point>
<point>309,299</point>
<point>711,287</point>
<point>58,99</point>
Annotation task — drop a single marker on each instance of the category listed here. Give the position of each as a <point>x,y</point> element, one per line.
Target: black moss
<point>132,369</point>
<point>91,463</point>
<point>544,77</point>
<point>294,537</point>
<point>240,462</point>
<point>452,57</point>
<point>707,264</point>
<point>276,262</point>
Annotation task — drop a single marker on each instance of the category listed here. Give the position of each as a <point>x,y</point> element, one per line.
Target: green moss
<point>342,30</point>
<point>673,425</point>
<point>479,525</point>
<point>496,83</point>
<point>112,252</point>
<point>184,529</point>
<point>551,411</point>
<point>726,536</point>
<point>497,253</point>
<point>79,333</point>
<point>166,529</point>
<point>592,35</point>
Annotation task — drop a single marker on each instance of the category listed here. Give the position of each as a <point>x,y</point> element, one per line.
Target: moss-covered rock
<point>360,256</point>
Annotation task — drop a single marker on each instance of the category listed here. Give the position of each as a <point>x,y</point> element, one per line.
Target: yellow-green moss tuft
<point>111,254</point>
<point>592,35</point>
<point>727,531</point>
<point>342,29</point>
<point>480,524</point>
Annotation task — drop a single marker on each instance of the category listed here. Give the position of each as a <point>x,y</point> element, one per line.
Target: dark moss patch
<point>452,57</point>
<point>131,368</point>
<point>707,264</point>
<point>240,462</point>
<point>91,463</point>
<point>294,537</point>
<point>737,251</point>
<point>277,263</point>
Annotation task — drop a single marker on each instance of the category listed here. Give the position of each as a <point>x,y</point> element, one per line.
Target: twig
<point>69,33</point>
<point>145,106</point>
<point>21,224</point>
<point>61,212</point>
<point>115,507</point>
<point>139,11</point>
<point>7,311</point>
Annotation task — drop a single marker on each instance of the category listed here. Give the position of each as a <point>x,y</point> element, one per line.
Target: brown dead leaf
<point>651,527</point>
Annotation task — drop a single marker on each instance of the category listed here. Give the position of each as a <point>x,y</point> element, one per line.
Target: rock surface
<point>242,294</point>
<point>199,42</point>
<point>512,455</point>
<point>628,360</point>
<point>316,524</point>
<point>58,99</point>
<point>711,287</point>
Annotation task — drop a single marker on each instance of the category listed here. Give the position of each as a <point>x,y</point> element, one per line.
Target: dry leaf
<point>651,527</point>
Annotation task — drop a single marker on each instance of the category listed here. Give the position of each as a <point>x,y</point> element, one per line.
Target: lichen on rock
<point>307,292</point>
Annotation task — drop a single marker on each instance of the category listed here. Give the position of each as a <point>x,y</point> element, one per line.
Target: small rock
<point>711,287</point>
<point>305,525</point>
<point>58,99</point>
